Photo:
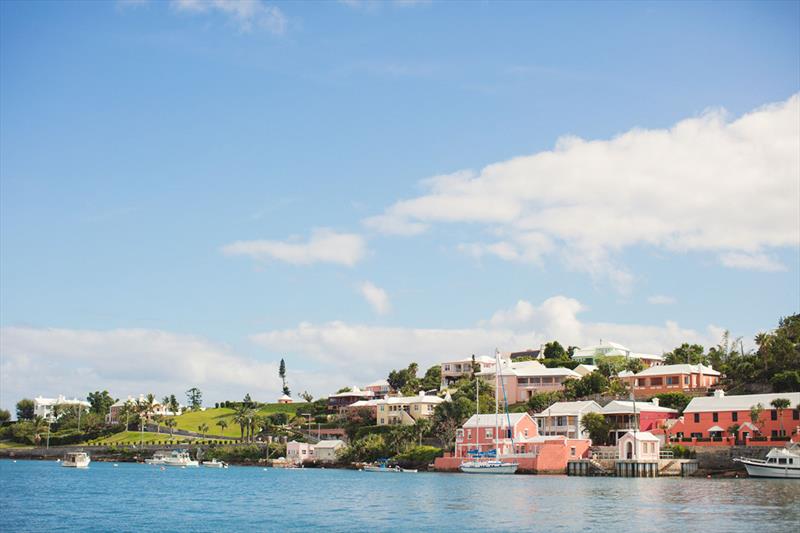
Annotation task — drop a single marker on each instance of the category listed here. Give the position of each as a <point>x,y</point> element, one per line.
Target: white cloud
<point>248,15</point>
<point>708,184</point>
<point>52,361</point>
<point>375,297</point>
<point>660,299</point>
<point>324,246</point>
<point>754,261</point>
<point>368,352</point>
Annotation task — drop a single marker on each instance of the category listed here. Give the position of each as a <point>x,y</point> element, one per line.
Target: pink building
<point>452,371</point>
<point>516,436</point>
<point>690,379</point>
<point>299,452</point>
<point>524,379</point>
<point>642,416</point>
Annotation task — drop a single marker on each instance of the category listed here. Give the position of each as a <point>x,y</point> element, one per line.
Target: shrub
<point>422,455</point>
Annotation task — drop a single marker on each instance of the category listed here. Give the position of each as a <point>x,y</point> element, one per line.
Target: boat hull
<point>76,464</point>
<point>773,471</point>
<point>505,468</point>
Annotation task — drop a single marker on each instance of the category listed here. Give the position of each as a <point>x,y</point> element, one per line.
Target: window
<point>735,416</point>
<point>381,420</point>
<point>696,417</point>
<point>685,380</point>
<point>782,461</point>
<point>416,407</point>
<point>641,382</point>
<point>715,417</point>
<point>672,380</point>
<point>446,368</point>
<point>525,432</point>
<point>489,433</point>
<point>655,382</point>
<point>469,433</point>
<point>572,451</point>
<point>774,414</point>
<point>697,435</point>
<point>795,414</point>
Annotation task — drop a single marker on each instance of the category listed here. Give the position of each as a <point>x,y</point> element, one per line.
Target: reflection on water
<point>41,496</point>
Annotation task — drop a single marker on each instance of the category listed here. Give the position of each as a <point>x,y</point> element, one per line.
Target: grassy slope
<point>189,421</point>
<point>132,437</point>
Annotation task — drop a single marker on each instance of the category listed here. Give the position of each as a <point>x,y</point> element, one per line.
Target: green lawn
<point>133,437</point>
<point>12,444</point>
<point>191,420</point>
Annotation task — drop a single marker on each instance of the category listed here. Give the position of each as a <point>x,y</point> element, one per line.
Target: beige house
<point>405,410</point>
<point>452,371</point>
<point>639,445</point>
<point>325,450</point>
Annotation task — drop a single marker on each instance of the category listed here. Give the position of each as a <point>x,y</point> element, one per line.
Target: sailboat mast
<point>497,400</point>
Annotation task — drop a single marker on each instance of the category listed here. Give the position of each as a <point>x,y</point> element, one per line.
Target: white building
<point>639,445</point>
<point>299,452</point>
<point>452,371</point>
<point>564,418</point>
<point>113,416</point>
<point>591,354</point>
<point>325,450</point>
<point>46,407</point>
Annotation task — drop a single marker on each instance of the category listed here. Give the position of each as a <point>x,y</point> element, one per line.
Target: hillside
<point>191,420</point>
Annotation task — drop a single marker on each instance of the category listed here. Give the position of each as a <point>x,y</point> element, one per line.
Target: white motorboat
<point>488,467</point>
<point>172,458</point>
<point>779,463</point>
<point>213,463</point>
<point>76,460</point>
<point>383,467</point>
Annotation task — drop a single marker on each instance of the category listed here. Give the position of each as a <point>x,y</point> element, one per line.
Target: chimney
<point>719,393</point>
<point>655,401</point>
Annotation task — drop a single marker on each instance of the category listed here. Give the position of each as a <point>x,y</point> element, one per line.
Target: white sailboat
<point>496,465</point>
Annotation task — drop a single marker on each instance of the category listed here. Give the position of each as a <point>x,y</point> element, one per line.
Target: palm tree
<point>171,423</point>
<point>780,404</point>
<point>158,419</point>
<point>240,417</point>
<point>223,425</point>
<point>422,427</point>
<point>39,426</point>
<point>755,415</point>
<point>202,428</point>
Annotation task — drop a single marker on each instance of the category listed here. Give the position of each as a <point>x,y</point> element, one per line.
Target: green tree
<point>779,404</point>
<point>25,409</point>
<point>174,406</point>
<point>171,423</point>
<point>307,396</point>
<point>539,401</point>
<point>202,429</point>
<point>596,426</point>
<point>354,419</point>
<point>247,401</point>
<point>282,375</point>
<point>432,379</point>
<point>405,380</point>
<point>610,366</point>
<point>554,350</point>
<point>223,425</point>
<point>674,400</point>
<point>448,417</point>
<point>100,402</point>
<point>786,381</point>
<point>755,415</point>
<point>5,416</point>
<point>634,364</point>
<point>422,427</point>
<point>686,353</point>
<point>195,398</point>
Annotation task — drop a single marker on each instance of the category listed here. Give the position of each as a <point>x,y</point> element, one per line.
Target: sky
<point>192,190</point>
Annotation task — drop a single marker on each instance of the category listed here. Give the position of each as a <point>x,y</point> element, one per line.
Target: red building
<point>712,420</point>
<point>644,416</point>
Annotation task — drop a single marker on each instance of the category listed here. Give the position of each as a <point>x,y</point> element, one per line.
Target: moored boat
<point>213,463</point>
<point>488,467</point>
<point>779,463</point>
<point>383,466</point>
<point>172,458</point>
<point>76,460</point>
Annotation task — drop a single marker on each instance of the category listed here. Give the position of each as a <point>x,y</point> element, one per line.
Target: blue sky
<point>140,140</point>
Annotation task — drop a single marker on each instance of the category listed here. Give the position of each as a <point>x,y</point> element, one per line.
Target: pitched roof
<point>642,435</point>
<point>533,368</point>
<point>329,443</point>
<point>741,402</point>
<point>395,400</point>
<point>664,370</point>
<point>570,408</point>
<point>489,420</point>
<point>715,428</point>
<point>355,391</point>
<point>623,407</point>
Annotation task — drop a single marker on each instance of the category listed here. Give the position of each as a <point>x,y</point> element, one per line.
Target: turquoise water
<point>42,496</point>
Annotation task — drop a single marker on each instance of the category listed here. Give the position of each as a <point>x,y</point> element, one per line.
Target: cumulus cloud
<point>708,184</point>
<point>660,299</point>
<point>52,361</point>
<point>375,297</point>
<point>324,246</point>
<point>247,15</point>
<point>367,352</point>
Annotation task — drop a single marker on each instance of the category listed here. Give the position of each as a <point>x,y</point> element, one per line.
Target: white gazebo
<point>285,399</point>
<point>639,446</point>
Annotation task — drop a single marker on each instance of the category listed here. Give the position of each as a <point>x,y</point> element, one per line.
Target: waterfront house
<point>712,419</point>
<point>639,445</point>
<point>488,432</point>
<point>340,400</point>
<point>689,379</point>
<point>405,410</point>
<point>564,418</point>
<point>299,452</point>
<point>591,354</point>
<point>379,389</point>
<point>452,371</point>
<point>521,380</point>
<point>325,450</point>
<point>624,416</point>
<point>47,407</point>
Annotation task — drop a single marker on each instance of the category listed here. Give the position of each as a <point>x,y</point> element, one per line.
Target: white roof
<point>541,439</point>
<point>571,408</point>
<point>619,407</point>
<point>401,400</point>
<point>664,370</point>
<point>489,420</point>
<point>354,392</point>
<point>742,402</point>
<point>285,397</point>
<point>612,349</point>
<point>715,428</point>
<point>329,444</point>
<point>364,403</point>
<point>533,368</point>
<point>478,359</point>
<point>642,435</point>
<point>379,383</point>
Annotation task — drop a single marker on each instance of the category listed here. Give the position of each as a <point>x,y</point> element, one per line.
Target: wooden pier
<point>634,468</point>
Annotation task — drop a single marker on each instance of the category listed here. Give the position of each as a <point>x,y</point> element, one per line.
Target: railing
<point>666,454</point>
